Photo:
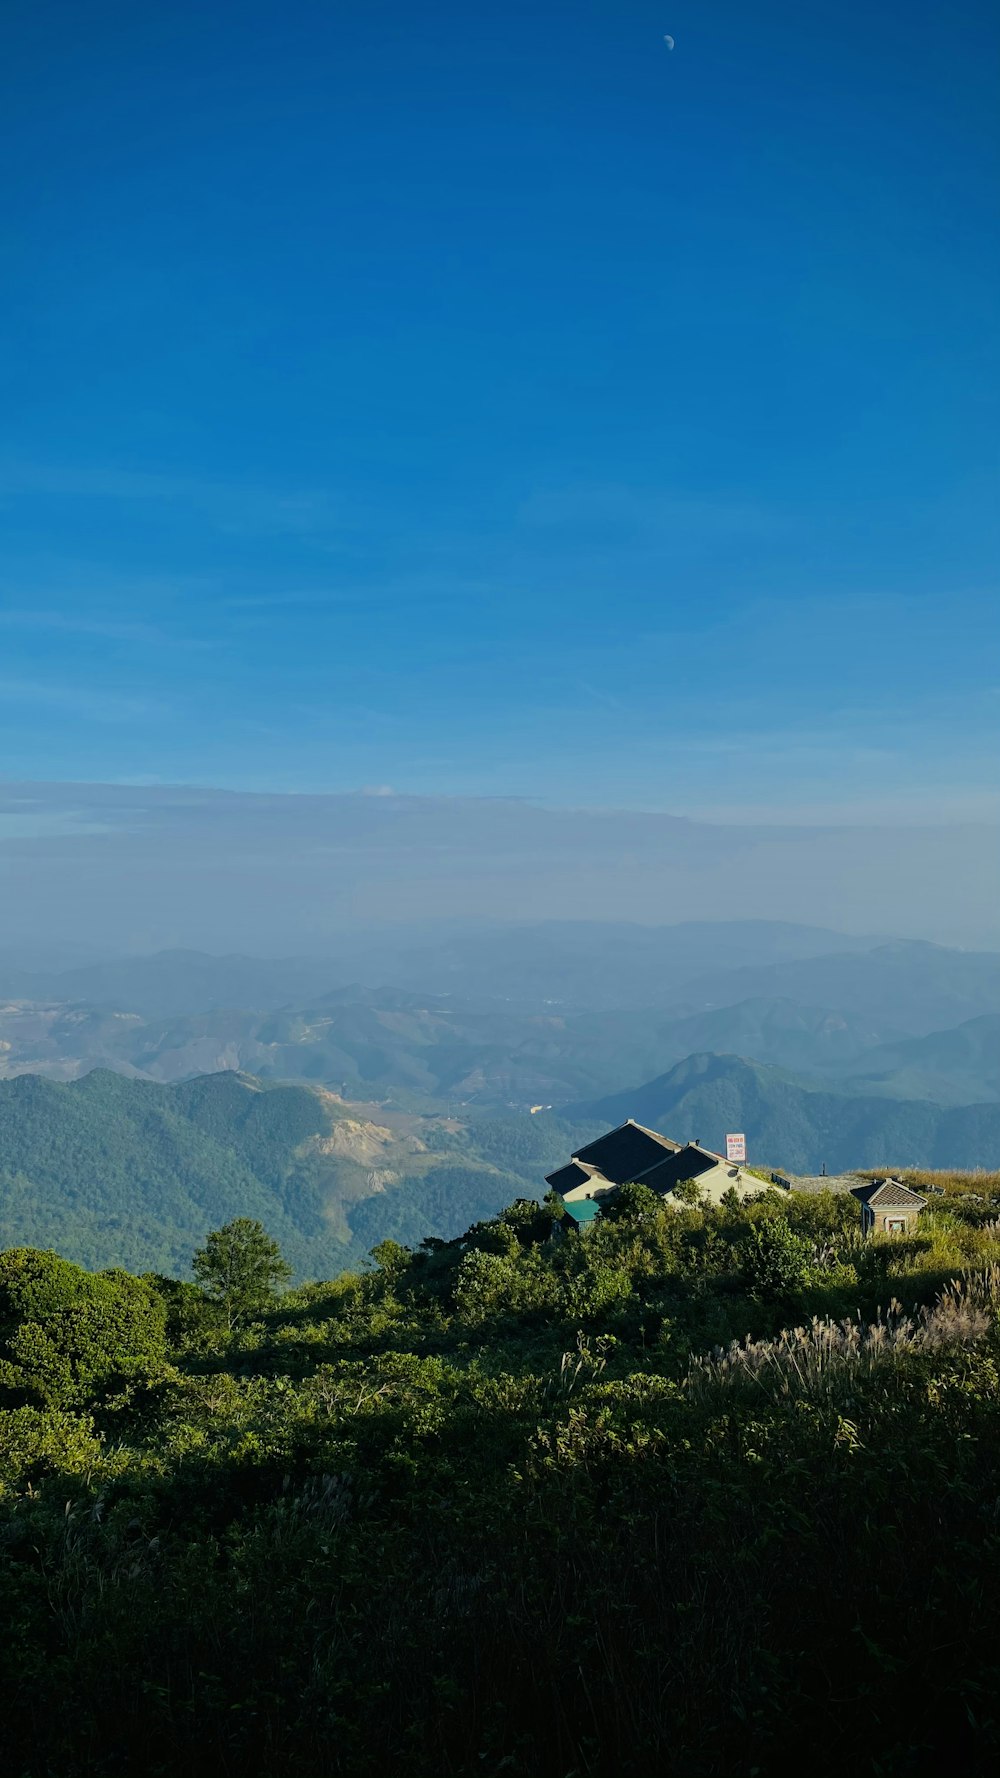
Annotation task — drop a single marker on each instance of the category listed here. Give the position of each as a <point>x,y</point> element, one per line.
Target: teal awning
<point>581,1210</point>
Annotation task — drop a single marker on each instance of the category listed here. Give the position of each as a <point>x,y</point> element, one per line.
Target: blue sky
<point>490,401</point>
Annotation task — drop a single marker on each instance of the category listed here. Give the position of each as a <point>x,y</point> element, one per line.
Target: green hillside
<point>126,1172</point>
<point>114,1172</point>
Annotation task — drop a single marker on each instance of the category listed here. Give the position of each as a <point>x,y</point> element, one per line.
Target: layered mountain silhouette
<point>798,1128</point>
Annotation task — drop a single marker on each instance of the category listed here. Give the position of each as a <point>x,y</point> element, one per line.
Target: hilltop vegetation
<point>514,1505</point>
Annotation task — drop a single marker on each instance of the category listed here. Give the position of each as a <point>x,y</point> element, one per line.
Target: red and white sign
<point>736,1148</point>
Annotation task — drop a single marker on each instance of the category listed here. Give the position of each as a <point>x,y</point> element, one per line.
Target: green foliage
<point>65,1332</point>
<point>193,1320</point>
<point>514,1504</point>
<point>776,1262</point>
<point>633,1203</point>
<point>687,1191</point>
<point>34,1284</point>
<point>240,1268</point>
<point>44,1442</point>
<point>125,1171</point>
<point>391,1258</point>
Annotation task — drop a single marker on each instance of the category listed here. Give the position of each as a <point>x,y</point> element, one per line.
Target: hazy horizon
<point>148,868</point>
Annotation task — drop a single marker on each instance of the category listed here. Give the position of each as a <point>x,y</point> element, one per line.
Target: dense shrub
<point>776,1263</point>
<point>65,1332</point>
<point>668,1494</point>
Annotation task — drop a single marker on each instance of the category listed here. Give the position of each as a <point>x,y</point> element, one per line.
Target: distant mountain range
<point>797,1128</point>
<point>341,1114</point>
<point>170,983</point>
<point>432,1051</point>
<point>918,988</point>
<point>575,963</point>
<point>957,1066</point>
<point>119,1171</point>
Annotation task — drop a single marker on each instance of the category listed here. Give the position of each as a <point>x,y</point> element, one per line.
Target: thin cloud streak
<point>94,705</point>
<point>235,506</point>
<point>104,629</point>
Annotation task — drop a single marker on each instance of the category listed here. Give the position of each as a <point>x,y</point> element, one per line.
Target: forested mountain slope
<point>957,1066</point>
<point>114,1171</point>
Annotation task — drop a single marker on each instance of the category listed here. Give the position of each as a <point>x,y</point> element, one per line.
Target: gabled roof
<point>626,1153</point>
<point>688,1163</point>
<point>889,1194</point>
<point>574,1173</point>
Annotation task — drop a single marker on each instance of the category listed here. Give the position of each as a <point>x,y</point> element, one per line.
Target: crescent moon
<point>669,42</point>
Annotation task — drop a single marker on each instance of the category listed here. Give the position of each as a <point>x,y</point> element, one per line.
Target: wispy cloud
<point>93,704</point>
<point>240,507</point>
<point>598,696</point>
<point>66,623</point>
<point>931,807</point>
<point>641,510</point>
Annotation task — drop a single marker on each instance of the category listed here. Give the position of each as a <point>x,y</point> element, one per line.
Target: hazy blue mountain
<point>912,987</point>
<point>957,1066</point>
<point>582,964</point>
<point>814,1039</point>
<point>791,1125</point>
<point>390,1043</point>
<point>174,982</point>
<point>845,1017</point>
<point>362,1040</point>
<point>579,964</point>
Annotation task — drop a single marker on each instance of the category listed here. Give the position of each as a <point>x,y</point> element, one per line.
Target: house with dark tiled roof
<point>633,1154</point>
<point>888,1207</point>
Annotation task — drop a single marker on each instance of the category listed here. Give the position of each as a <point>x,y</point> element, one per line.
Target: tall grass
<point>949,1182</point>
<point>819,1358</point>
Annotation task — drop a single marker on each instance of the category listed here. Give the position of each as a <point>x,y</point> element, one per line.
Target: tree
<point>777,1263</point>
<point>687,1191</point>
<point>240,1267</point>
<point>632,1203</point>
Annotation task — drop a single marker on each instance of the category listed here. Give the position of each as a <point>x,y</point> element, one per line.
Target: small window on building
<point>896,1225</point>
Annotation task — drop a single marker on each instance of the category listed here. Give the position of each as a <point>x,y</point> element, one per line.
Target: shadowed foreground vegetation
<point>699,1492</point>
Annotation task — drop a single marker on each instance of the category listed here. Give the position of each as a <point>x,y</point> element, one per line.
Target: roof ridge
<point>657,1135</point>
